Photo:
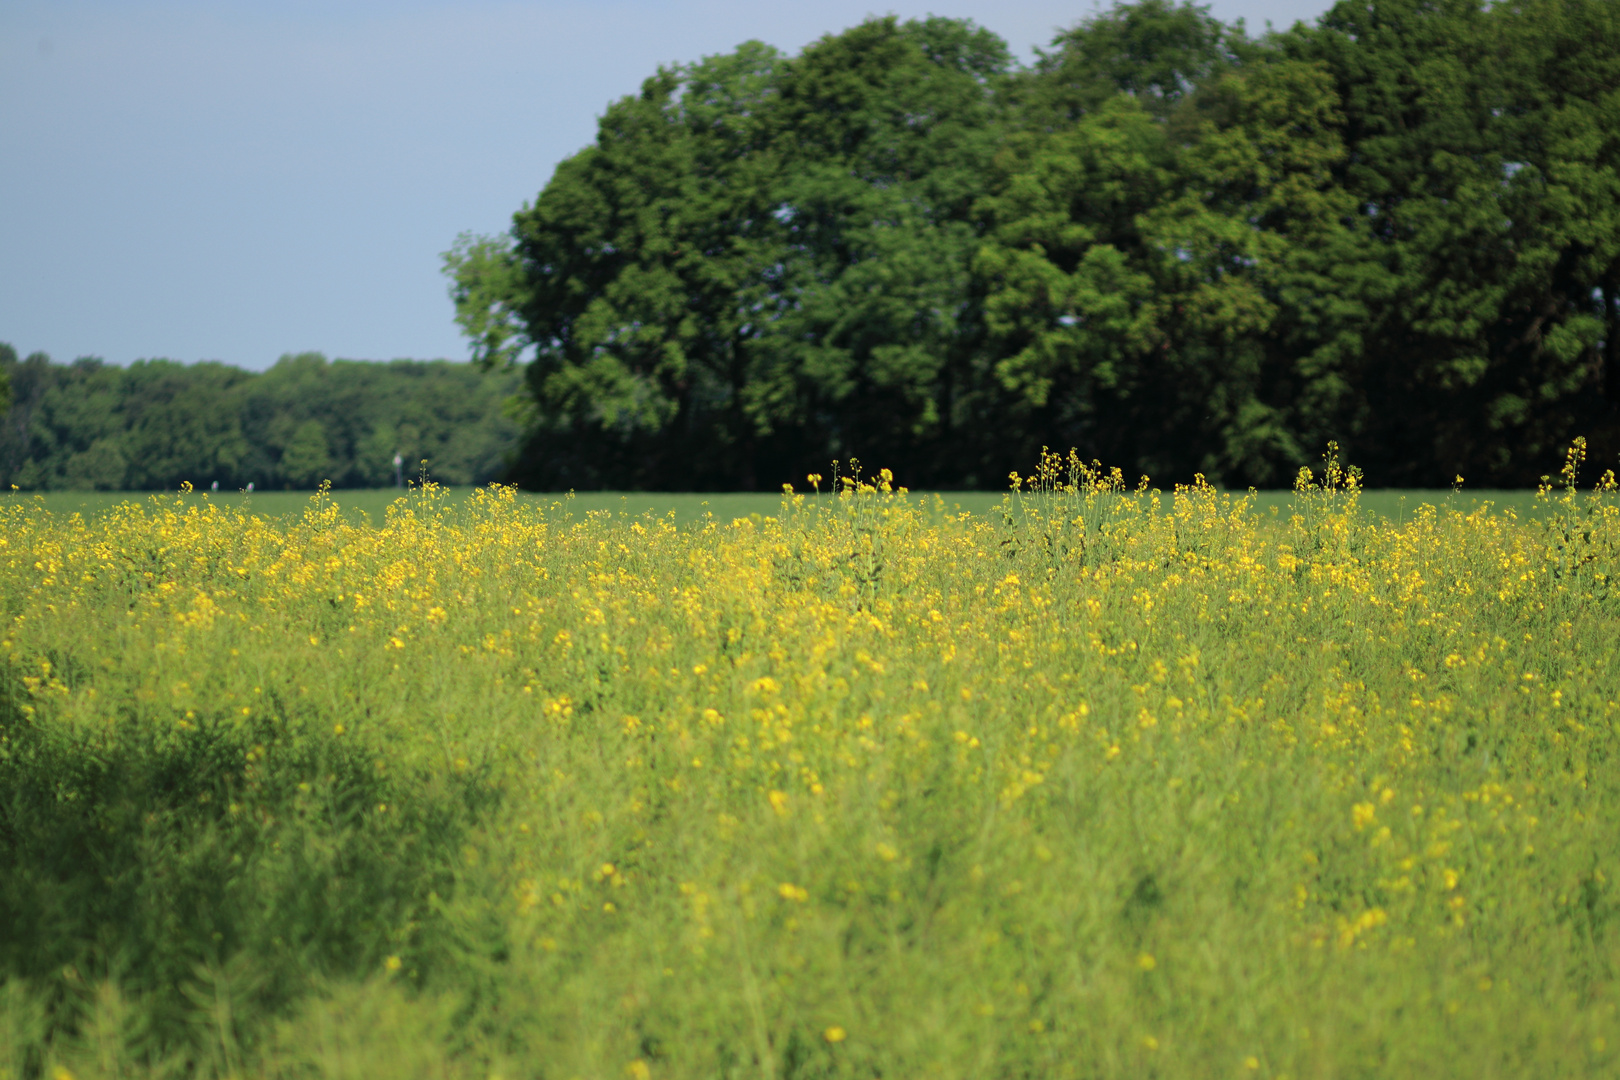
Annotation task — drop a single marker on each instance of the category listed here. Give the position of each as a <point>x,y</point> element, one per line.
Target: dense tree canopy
<point>156,424</point>
<point>1166,243</point>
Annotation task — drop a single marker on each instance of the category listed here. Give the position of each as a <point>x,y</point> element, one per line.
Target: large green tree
<point>1166,243</point>
<point>1168,203</point>
<point>759,263</point>
<point>1473,333</point>
<point>1561,59</point>
<point>887,131</point>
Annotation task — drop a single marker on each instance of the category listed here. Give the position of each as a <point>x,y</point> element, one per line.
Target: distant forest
<point>155,424</point>
<point>1170,244</point>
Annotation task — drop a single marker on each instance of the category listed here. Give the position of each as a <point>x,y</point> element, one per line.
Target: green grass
<point>371,505</point>
<point>1113,785</point>
<point>688,508</point>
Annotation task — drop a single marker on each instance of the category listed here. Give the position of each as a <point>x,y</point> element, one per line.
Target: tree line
<point>1175,246</point>
<point>156,424</point>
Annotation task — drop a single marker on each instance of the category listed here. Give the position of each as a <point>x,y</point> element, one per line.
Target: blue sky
<point>232,181</point>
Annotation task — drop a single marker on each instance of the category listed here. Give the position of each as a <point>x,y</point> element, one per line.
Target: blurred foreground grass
<point>1092,783</point>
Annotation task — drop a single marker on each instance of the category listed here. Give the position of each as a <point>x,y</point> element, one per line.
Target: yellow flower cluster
<point>1109,773</point>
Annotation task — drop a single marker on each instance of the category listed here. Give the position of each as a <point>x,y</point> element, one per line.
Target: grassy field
<point>689,508</point>
<point>1088,783</point>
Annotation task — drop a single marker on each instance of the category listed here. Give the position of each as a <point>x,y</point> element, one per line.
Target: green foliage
<point>158,424</point>
<point>487,295</point>
<point>1166,242</point>
<point>1108,782</point>
<point>1477,313</point>
<point>305,459</point>
<point>758,260</point>
<point>8,360</point>
<point>1155,52</point>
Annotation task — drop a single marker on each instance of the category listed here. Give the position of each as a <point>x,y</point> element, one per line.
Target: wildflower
<point>835,1034</point>
<point>665,675</point>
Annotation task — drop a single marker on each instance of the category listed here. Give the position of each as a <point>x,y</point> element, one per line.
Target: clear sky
<point>227,180</point>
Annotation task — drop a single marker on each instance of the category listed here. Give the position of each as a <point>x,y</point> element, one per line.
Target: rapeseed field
<point>1111,782</point>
